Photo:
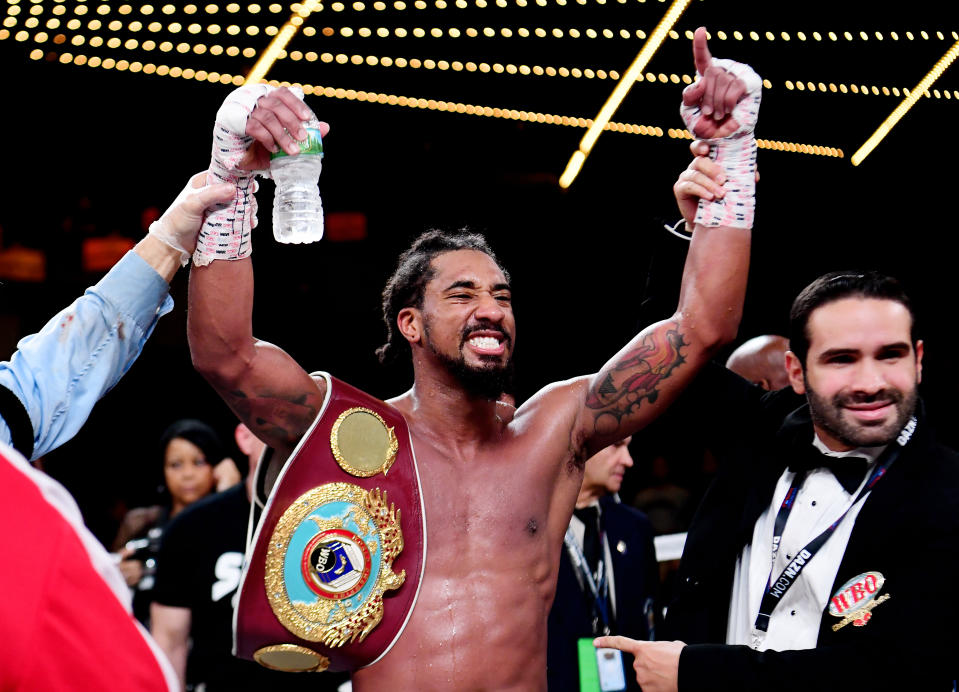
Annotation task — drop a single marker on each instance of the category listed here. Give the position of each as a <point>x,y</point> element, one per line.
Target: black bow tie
<point>849,471</point>
<point>592,550</point>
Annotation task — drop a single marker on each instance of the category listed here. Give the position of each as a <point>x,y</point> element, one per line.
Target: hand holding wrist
<point>735,152</point>
<point>177,228</point>
<point>226,231</point>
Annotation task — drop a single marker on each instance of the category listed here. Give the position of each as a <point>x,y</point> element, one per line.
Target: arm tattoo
<point>274,416</point>
<point>637,377</point>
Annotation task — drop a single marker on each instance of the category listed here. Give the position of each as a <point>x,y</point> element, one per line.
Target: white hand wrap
<point>226,230</point>
<point>735,153</point>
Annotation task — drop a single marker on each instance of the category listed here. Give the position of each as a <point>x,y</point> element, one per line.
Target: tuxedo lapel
<point>794,434</point>
<point>882,514</point>
<point>757,501</point>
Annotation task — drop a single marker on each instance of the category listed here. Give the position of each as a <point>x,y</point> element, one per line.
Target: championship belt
<point>336,561</point>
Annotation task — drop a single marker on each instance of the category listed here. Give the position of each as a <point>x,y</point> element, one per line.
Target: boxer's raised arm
<point>637,384</point>
<point>640,381</point>
<point>263,385</point>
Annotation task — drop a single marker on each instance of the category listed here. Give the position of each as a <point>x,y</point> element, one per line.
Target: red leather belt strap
<point>318,585</point>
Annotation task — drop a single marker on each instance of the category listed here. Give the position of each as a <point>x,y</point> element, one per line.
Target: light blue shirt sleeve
<point>60,372</point>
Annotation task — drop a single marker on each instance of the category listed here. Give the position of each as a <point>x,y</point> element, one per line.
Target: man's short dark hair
<point>405,289</point>
<point>835,286</point>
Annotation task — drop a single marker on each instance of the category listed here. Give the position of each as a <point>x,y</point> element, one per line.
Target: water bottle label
<point>313,144</point>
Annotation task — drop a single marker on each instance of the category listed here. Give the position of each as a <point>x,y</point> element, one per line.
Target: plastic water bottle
<point>297,209</point>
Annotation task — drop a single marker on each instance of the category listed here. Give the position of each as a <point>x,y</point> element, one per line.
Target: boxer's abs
<point>480,618</point>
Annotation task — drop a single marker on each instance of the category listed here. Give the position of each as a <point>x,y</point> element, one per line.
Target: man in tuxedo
<point>609,548</point>
<point>818,557</point>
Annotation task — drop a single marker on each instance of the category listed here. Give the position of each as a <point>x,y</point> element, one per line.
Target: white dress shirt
<point>795,622</point>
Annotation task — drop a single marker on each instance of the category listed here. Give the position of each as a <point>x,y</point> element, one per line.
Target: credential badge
<point>855,599</point>
<point>330,561</point>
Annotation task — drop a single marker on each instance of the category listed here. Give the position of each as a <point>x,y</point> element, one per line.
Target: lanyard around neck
<point>776,590</point>
<point>600,591</point>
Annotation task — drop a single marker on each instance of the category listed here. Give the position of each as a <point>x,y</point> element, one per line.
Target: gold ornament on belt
<point>362,443</point>
<point>291,658</point>
<point>330,561</point>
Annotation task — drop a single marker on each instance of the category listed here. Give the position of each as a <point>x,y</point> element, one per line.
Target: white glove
<point>180,223</point>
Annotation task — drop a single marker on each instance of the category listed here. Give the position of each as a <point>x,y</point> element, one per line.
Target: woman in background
<point>190,451</point>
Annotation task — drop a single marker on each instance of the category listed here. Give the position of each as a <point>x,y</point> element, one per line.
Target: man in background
<point>762,361</point>
<point>608,575</point>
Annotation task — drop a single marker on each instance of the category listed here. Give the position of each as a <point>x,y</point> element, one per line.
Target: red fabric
<point>62,625</point>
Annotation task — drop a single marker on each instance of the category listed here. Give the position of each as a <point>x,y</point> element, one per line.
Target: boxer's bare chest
<point>501,488</point>
<point>490,570</point>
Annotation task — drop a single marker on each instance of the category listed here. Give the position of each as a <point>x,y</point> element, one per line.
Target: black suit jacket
<point>635,577</point>
<point>908,530</point>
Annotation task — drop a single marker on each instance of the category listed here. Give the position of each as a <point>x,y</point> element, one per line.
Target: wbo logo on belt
<point>329,563</point>
<point>335,566</point>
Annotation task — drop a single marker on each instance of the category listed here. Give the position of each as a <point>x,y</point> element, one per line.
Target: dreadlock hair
<point>414,270</point>
<point>835,286</point>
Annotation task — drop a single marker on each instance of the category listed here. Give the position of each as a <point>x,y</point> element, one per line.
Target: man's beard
<point>489,380</point>
<point>832,415</point>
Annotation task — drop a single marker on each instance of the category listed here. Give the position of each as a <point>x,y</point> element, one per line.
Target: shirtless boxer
<point>499,490</point>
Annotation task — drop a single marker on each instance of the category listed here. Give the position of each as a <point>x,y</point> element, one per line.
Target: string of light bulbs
<point>537,32</point>
<point>105,8</point>
<point>47,33</point>
<point>456,65</point>
<point>440,64</point>
<point>609,33</point>
<point>867,90</point>
<point>356,5</point>
<point>313,5</point>
<point>540,32</point>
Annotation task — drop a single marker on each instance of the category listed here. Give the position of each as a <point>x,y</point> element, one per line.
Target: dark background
<point>590,265</point>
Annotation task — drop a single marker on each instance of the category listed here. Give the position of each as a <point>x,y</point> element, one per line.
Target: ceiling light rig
<point>254,10</point>
<point>149,45</point>
<point>408,101</point>
<point>642,59</point>
<point>220,30</point>
<point>922,88</point>
<point>92,25</point>
<point>154,43</point>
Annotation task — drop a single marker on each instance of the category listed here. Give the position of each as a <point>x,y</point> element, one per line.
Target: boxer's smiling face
<point>468,322</point>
